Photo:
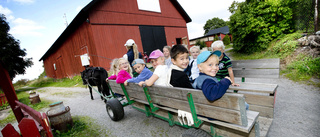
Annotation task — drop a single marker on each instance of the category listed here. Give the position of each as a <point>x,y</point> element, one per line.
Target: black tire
<point>115,109</point>
<point>192,132</point>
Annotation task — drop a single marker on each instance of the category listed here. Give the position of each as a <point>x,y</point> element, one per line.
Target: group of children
<point>208,71</point>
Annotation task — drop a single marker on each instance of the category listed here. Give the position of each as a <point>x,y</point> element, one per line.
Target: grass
<point>83,126</point>
<point>76,81</point>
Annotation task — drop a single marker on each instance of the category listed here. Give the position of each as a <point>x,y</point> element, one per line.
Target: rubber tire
<point>115,109</point>
<point>192,132</point>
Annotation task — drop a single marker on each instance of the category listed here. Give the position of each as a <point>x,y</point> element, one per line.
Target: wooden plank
<point>260,100</point>
<point>255,87</point>
<point>264,111</point>
<point>229,100</point>
<point>258,63</point>
<point>256,73</point>
<point>28,128</point>
<point>252,118</point>
<point>222,114</point>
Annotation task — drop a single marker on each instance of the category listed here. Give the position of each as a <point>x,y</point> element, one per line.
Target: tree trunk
<point>316,16</point>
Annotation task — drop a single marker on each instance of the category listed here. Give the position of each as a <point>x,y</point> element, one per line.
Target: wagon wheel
<point>115,109</point>
<point>192,132</point>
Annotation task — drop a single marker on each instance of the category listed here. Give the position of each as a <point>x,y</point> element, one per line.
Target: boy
<point>180,61</point>
<point>159,76</point>
<point>208,66</point>
<point>225,66</point>
<point>140,67</point>
<point>192,69</point>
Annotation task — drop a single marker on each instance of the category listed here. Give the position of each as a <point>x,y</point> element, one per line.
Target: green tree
<point>213,24</point>
<point>254,25</point>
<point>226,40</point>
<point>10,53</point>
<point>202,44</point>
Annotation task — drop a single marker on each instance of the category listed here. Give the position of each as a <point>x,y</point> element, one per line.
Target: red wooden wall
<point>111,24</point>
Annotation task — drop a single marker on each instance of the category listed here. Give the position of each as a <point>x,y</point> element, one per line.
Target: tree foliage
<point>10,53</point>
<point>213,24</point>
<point>226,40</point>
<point>253,25</point>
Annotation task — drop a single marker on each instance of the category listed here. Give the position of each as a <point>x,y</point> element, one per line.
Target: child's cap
<point>129,42</point>
<point>203,56</point>
<point>156,54</point>
<point>137,61</point>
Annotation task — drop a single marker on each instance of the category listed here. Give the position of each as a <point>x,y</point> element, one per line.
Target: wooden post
<point>7,87</point>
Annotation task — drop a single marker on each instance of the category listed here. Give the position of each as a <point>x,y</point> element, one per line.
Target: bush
<point>202,44</point>
<point>254,25</point>
<point>226,40</point>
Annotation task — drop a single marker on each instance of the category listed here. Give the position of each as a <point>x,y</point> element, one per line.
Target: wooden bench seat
<point>228,111</point>
<point>260,96</point>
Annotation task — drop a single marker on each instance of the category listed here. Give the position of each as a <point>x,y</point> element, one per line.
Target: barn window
<point>149,5</point>
<point>54,66</point>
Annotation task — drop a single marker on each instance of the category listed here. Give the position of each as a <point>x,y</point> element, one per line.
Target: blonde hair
<point>167,47</point>
<point>113,66</point>
<point>118,66</point>
<point>135,50</point>
<point>195,47</point>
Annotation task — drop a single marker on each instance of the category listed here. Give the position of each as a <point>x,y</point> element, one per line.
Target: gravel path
<point>297,112</point>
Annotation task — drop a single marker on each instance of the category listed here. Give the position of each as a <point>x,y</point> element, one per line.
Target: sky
<point>38,23</point>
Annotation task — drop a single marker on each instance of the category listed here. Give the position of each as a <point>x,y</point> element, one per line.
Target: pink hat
<point>156,54</point>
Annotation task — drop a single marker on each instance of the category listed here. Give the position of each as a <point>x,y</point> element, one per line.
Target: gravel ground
<point>297,112</point>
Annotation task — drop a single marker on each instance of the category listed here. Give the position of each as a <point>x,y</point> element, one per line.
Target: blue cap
<point>137,61</point>
<point>203,56</point>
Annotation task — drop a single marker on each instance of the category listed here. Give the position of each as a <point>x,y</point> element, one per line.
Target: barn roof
<point>222,30</point>
<point>83,15</point>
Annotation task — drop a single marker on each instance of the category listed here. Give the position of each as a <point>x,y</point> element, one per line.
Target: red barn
<point>103,26</point>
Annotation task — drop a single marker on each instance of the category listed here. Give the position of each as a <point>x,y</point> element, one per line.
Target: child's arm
<point>213,90</point>
<point>150,81</point>
<point>113,77</point>
<point>123,76</point>
<point>230,71</point>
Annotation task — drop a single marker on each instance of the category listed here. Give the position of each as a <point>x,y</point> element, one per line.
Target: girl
<point>132,51</point>
<point>113,66</point>
<point>166,53</point>
<point>123,71</point>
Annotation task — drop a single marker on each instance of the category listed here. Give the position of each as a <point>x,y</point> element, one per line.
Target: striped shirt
<point>224,64</point>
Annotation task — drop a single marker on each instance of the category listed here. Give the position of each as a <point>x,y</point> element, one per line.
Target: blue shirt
<point>143,76</point>
<point>211,87</point>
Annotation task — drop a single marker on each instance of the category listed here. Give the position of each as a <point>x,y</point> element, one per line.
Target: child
<point>208,66</point>
<point>140,67</point>
<point>166,53</point>
<point>123,71</point>
<point>225,66</point>
<point>159,76</point>
<point>113,66</point>
<point>192,69</point>
<point>180,61</point>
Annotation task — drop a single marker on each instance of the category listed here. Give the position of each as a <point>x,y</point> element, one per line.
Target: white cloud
<point>7,12</point>
<point>26,27</point>
<point>25,1</point>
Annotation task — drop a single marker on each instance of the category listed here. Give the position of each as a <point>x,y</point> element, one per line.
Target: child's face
<point>210,67</point>
<point>166,52</point>
<point>123,65</point>
<point>156,62</point>
<point>138,68</point>
<point>182,60</point>
<point>195,53</point>
<point>220,49</point>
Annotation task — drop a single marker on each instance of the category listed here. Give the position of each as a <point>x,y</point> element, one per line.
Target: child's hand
<point>141,83</point>
<point>107,80</point>
<point>235,84</point>
<point>125,83</point>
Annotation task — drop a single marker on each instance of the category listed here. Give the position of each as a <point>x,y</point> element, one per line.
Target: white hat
<point>129,42</point>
